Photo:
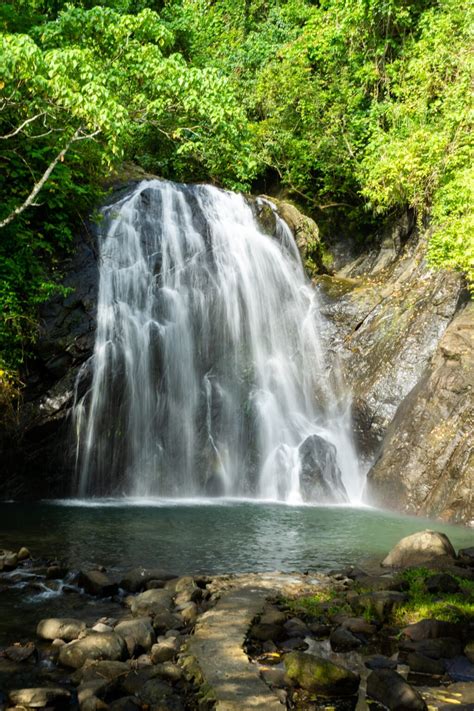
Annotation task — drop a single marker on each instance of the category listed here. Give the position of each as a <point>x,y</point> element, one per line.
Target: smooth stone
<point>342,640</point>
<point>150,603</point>
<point>138,634</point>
<point>66,628</point>
<point>109,646</point>
<point>101,627</point>
<point>108,670</point>
<point>95,582</point>
<point>136,579</point>
<point>164,651</point>
<point>40,697</point>
<point>169,671</point>
<point>319,675</point>
<point>189,613</point>
<point>23,553</point>
<point>165,621</point>
<point>319,631</point>
<point>8,560</point>
<point>356,625</point>
<point>20,653</point>
<point>184,583</point>
<point>294,627</point>
<point>276,677</point>
<point>379,661</point>
<point>419,548</point>
<point>293,643</point>
<point>425,665</point>
<point>390,689</point>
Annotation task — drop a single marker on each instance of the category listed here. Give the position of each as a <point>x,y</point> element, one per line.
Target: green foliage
<point>361,109</point>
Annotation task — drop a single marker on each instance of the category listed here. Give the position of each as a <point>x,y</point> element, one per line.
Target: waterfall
<point>209,378</point>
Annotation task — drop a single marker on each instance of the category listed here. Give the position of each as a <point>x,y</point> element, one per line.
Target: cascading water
<point>208,373</point>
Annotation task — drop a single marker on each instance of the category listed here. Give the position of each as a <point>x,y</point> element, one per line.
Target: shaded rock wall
<point>426,462</point>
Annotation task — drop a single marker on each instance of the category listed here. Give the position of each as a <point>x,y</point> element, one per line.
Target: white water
<point>208,371</point>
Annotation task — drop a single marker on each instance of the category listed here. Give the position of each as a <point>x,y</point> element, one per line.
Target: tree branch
<point>30,200</point>
<point>22,126</point>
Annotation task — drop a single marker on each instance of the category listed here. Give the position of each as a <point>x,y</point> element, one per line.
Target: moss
<point>320,675</point>
<point>324,603</point>
<point>449,607</point>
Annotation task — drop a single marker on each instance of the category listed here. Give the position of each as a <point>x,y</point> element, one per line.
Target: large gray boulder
<point>418,548</point>
<point>150,603</point>
<point>65,628</point>
<point>390,689</point>
<point>96,582</point>
<point>320,477</point>
<point>107,645</point>
<point>138,634</point>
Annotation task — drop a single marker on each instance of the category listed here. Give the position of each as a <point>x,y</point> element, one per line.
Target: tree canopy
<point>361,109</point>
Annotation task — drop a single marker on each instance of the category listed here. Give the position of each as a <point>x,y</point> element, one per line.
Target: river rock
<point>425,665</point>
<point>165,650</point>
<point>8,560</point>
<point>441,583</point>
<point>150,603</point>
<point>36,698</point>
<point>294,627</point>
<point>21,653</point>
<point>466,556</point>
<point>23,553</point>
<point>272,616</point>
<point>320,477</point>
<point>379,661</point>
<point>342,640</point>
<point>135,580</point>
<point>108,646</point>
<point>318,675</point>
<point>440,648</point>
<point>103,669</point>
<point>138,634</point>
<point>95,582</point>
<point>432,629</point>
<point>265,633</point>
<point>393,692</point>
<point>65,628</point>
<point>419,548</point>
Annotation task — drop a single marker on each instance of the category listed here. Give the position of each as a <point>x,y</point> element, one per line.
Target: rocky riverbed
<point>397,636</point>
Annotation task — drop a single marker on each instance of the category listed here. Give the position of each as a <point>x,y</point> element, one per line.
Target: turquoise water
<point>208,536</point>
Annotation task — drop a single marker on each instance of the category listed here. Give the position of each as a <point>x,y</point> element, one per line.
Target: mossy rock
<point>320,676</point>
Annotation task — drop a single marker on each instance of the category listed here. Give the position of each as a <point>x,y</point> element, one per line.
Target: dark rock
<point>320,478</point>
<point>294,627</point>
<point>392,691</point>
<point>56,572</point>
<point>466,556</point>
<point>95,582</point>
<point>319,675</point>
<point>356,625</point>
<point>342,640</point>
<point>418,548</point>
<point>165,621</point>
<point>425,665</point>
<point>126,703</point>
<point>272,616</point>
<point>440,648</point>
<point>442,583</point>
<point>432,629</point>
<point>469,651</point>
<point>264,633</point>
<point>319,630</point>
<point>460,669</point>
<point>378,661</point>
<point>289,645</point>
<point>164,651</point>
<point>21,653</point>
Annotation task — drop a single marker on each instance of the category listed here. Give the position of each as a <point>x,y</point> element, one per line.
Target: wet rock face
<point>320,475</point>
<point>41,451</point>
<point>426,463</point>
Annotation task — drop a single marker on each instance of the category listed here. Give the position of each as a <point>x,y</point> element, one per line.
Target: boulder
<point>466,556</point>
<point>165,650</point>
<point>272,616</point>
<point>432,629</point>
<point>320,676</point>
<point>342,640</point>
<point>425,665</point>
<point>440,648</point>
<point>164,622</point>
<point>189,613</point>
<point>138,634</point>
<point>135,580</point>
<point>66,628</point>
<point>379,661</point>
<point>21,653</point>
<point>441,583</point>
<point>320,476</point>
<point>264,633</point>
<point>150,603</point>
<point>8,560</point>
<point>36,698</point>
<point>294,627</point>
<point>108,670</point>
<point>23,553</point>
<point>108,646</point>
<point>356,625</point>
<point>419,548</point>
<point>95,582</point>
<point>393,692</point>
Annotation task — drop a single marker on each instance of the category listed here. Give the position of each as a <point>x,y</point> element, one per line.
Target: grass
<point>449,607</point>
<point>317,605</point>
